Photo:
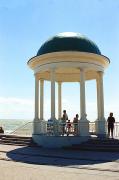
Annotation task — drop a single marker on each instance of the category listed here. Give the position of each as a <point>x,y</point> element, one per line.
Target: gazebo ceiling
<point>68,41</point>
<point>67,75</point>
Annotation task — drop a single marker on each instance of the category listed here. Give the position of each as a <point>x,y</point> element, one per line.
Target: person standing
<point>75,123</point>
<point>110,121</point>
<point>65,114</point>
<point>64,118</point>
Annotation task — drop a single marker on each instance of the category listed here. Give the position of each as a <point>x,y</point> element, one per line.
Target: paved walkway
<point>32,163</point>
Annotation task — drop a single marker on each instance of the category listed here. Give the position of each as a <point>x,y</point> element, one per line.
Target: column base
<point>39,126</point>
<point>83,127</point>
<point>100,128</point>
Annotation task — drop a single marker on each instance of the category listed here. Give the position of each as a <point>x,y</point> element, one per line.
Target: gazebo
<point>67,57</point>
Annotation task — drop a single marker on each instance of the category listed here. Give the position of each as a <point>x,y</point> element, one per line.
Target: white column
<point>82,94</point>
<point>36,98</point>
<point>53,94</point>
<point>39,127</point>
<point>98,98</point>
<point>100,123</point>
<point>36,118</point>
<point>83,123</point>
<point>59,99</point>
<point>101,94</point>
<point>41,98</point>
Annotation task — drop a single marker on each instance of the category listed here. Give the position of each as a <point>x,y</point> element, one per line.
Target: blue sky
<point>26,24</point>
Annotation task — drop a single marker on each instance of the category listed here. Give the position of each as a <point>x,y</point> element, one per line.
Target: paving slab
<point>57,163</point>
<point>17,171</point>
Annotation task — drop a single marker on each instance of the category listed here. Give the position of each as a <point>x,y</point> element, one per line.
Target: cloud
<point>11,107</point>
<point>21,108</point>
<point>9,100</point>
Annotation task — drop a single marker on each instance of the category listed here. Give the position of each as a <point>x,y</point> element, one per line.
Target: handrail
<point>20,127</point>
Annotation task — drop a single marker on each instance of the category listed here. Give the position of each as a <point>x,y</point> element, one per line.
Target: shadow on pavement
<point>60,157</point>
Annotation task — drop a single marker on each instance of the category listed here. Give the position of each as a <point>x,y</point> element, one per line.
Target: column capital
<point>41,79</point>
<point>59,82</point>
<point>36,77</point>
<point>52,74</point>
<point>52,69</point>
<point>82,69</point>
<point>100,72</point>
<point>99,75</point>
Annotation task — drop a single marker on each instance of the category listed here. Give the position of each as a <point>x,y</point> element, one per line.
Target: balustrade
<point>59,129</point>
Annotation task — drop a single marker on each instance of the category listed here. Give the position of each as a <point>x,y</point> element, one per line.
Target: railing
<point>116,129</point>
<point>24,130</point>
<point>59,129</point>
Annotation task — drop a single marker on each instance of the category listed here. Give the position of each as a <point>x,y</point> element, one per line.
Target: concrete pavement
<point>29,163</point>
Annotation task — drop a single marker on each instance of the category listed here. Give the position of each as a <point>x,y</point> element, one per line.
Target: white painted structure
<point>67,66</point>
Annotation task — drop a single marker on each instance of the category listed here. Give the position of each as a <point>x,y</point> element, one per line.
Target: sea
<point>10,125</point>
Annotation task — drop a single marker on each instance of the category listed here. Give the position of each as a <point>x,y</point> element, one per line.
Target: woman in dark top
<point>110,121</point>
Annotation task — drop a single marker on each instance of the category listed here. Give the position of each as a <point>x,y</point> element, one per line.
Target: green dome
<point>68,41</point>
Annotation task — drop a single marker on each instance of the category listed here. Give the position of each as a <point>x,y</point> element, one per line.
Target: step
<point>15,144</point>
<point>104,140</point>
<point>16,137</point>
<point>95,149</point>
<point>5,140</point>
<point>31,143</point>
<point>17,141</point>
<point>98,145</point>
<point>103,143</point>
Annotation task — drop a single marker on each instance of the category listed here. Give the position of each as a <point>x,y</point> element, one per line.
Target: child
<point>68,127</point>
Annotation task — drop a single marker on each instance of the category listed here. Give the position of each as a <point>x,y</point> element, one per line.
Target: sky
<point>26,24</point>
